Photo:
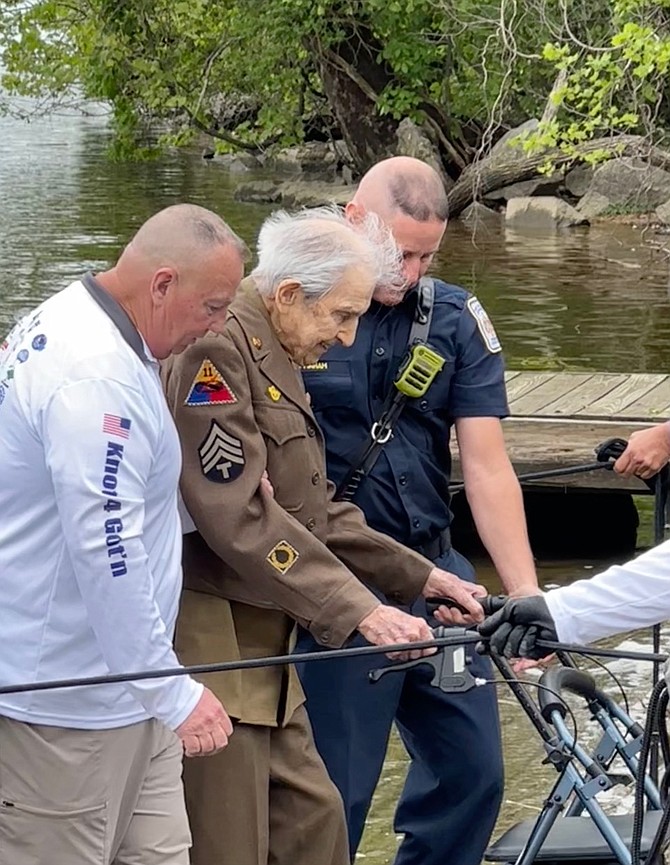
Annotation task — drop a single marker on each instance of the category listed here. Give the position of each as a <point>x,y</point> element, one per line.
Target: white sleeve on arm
<point>622,598</point>
<point>100,481</point>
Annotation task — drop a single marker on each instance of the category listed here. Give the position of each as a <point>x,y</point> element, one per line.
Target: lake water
<point>588,299</point>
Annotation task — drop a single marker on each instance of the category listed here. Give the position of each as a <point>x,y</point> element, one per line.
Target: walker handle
<point>490,604</point>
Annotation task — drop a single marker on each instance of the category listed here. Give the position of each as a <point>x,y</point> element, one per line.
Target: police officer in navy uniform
<point>450,801</point>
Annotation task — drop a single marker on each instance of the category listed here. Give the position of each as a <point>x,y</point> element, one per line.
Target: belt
<point>437,546</point>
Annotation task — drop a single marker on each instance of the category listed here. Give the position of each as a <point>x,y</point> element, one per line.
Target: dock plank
<point>653,406</point>
<point>557,419</point>
<point>582,395</point>
<point>526,382</point>
<point>626,393</point>
<point>561,385</point>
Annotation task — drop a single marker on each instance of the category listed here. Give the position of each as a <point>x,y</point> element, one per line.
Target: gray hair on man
<point>316,246</point>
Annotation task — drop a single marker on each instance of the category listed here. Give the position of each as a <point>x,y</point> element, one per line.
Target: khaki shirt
<point>256,563</point>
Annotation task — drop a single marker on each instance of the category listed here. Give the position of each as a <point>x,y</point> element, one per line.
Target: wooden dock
<point>557,419</point>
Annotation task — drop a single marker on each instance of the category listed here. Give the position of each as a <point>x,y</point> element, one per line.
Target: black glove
<point>515,629</point>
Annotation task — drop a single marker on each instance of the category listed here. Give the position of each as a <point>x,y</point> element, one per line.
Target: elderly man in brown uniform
<point>258,563</point>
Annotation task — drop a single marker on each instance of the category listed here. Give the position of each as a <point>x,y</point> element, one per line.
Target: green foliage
<point>169,61</point>
<point>170,67</point>
<point>613,84</point>
<point>629,209</point>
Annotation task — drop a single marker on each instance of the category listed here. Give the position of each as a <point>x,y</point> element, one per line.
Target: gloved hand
<point>515,629</point>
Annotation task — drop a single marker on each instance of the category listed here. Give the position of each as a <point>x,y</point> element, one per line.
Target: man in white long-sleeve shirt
<point>90,554</point>
<point>622,598</point>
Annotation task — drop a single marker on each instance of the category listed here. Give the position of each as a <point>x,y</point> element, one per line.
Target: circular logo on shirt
<point>39,342</point>
<point>22,356</point>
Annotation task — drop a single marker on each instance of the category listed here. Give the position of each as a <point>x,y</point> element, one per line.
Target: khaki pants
<point>91,797</point>
<point>266,799</point>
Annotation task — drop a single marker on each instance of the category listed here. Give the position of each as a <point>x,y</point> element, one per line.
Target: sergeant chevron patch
<point>221,455</point>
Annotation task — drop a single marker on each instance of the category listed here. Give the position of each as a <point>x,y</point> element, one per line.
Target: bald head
<point>179,236</point>
<point>409,197</point>
<point>177,276</point>
<point>405,185</point>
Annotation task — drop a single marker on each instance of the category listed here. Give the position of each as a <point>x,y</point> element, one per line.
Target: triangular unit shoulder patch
<point>210,387</point>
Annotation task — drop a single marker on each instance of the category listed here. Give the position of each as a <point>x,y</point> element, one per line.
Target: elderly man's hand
<point>514,631</point>
<point>442,584</point>
<point>266,486</point>
<point>387,625</point>
<point>207,728</point>
<point>647,452</point>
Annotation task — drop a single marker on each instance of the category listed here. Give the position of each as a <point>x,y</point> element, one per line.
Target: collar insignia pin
<point>274,393</point>
<point>256,342</point>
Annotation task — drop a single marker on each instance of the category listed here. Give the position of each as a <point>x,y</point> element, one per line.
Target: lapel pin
<point>257,342</point>
<point>274,393</point>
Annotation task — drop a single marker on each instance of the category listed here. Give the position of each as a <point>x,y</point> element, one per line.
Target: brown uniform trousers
<point>255,565</point>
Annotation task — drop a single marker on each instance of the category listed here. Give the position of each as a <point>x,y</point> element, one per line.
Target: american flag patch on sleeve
<point>114,425</point>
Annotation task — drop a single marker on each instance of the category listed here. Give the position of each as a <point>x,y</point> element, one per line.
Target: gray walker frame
<point>572,827</point>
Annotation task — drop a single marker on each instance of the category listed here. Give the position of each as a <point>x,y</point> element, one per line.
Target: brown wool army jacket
<point>257,564</point>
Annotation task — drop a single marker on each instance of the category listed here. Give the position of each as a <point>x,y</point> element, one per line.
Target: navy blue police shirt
<point>406,495</point>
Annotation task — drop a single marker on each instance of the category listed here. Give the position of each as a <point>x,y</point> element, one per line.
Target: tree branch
<point>448,146</point>
<point>334,58</point>
<point>232,139</point>
<point>483,177</point>
<point>553,101</point>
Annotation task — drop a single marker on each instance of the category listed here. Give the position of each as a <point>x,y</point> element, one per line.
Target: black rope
<point>606,455</point>
<point>651,657</point>
<point>568,752</point>
<point>548,473</point>
<point>247,664</point>
<point>463,639</point>
<point>615,679</point>
<point>645,752</point>
<point>660,487</point>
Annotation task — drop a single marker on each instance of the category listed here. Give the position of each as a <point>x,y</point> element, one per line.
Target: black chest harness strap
<point>416,373</point>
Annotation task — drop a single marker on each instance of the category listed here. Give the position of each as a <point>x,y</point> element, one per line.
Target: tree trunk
<point>352,80</point>
<point>483,177</point>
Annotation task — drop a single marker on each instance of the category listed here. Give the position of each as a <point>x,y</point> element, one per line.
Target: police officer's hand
<point>647,452</point>
<point>387,625</point>
<point>442,584</point>
<point>207,728</point>
<point>515,629</point>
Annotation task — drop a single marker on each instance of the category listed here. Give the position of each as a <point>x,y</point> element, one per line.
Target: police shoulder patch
<point>209,387</point>
<point>221,455</point>
<point>484,325</point>
<point>282,556</point>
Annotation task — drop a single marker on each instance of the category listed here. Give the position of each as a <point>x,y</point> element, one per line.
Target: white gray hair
<point>303,246</point>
